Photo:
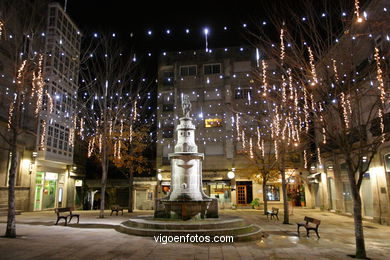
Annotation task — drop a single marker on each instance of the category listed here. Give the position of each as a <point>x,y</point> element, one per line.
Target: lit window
<point>213,122</point>
<point>387,162</point>
<point>212,69</point>
<point>242,93</point>
<point>188,70</point>
<point>272,193</point>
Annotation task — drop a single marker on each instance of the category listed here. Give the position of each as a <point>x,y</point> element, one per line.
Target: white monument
<point>186,198</point>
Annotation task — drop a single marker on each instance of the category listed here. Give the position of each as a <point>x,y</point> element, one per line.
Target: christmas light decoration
<point>357,12</point>
<point>319,156</point>
<point>336,75</point>
<point>312,66</point>
<point>282,48</point>
<point>345,110</point>
<point>43,133</point>
<point>251,148</point>
<point>81,133</point>
<point>381,88</point>
<point>238,127</point>
<point>243,139</point>
<point>11,111</point>
<point>265,85</point>
<point>2,28</point>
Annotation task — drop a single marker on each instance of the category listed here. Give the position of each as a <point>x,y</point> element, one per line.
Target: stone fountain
<point>186,199</point>
<point>187,210</point>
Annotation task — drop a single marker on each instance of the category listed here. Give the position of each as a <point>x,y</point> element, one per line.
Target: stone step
<point>150,223</point>
<point>235,227</point>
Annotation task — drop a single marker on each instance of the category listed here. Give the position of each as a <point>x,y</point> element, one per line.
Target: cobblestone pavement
<point>93,238</point>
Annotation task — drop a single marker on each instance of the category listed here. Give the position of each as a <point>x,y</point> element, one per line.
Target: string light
<point>42,144</point>
<point>120,140</point>
<point>282,52</point>
<point>243,139</point>
<point>312,66</point>
<point>238,127</point>
<point>265,85</point>
<point>11,111</point>
<point>319,156</point>
<point>250,148</point>
<point>2,28</point>
<point>357,11</point>
<point>82,128</point>
<point>336,75</point>
<point>381,88</point>
<point>345,110</point>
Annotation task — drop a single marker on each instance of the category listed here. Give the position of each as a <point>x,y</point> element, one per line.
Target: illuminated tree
<point>336,72</point>
<point>114,96</point>
<point>133,159</point>
<point>22,93</point>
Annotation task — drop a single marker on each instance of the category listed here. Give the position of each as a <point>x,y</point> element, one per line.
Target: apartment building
<point>221,88</point>
<point>329,184</point>
<point>47,177</point>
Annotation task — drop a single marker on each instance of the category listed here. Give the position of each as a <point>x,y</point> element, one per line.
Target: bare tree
<point>133,159</point>
<point>112,94</point>
<point>21,51</point>
<point>334,70</point>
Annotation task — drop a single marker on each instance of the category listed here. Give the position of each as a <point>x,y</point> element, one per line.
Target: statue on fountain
<point>186,199</point>
<point>186,106</point>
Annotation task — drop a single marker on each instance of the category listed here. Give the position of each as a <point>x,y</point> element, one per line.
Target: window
<point>212,69</point>
<point>213,122</point>
<point>242,93</point>
<point>168,77</point>
<point>272,193</point>
<point>387,162</point>
<point>188,70</point>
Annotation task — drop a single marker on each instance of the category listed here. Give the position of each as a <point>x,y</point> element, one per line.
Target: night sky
<point>121,18</point>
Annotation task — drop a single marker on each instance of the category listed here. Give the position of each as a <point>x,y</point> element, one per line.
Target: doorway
<point>366,194</point>
<point>241,194</point>
<point>49,190</point>
<point>332,194</point>
<point>244,192</point>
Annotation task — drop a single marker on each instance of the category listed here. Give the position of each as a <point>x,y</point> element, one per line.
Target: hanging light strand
<point>265,84</point>
<point>312,66</point>
<point>381,88</point>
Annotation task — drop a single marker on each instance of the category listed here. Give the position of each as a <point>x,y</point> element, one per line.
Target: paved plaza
<point>93,238</point>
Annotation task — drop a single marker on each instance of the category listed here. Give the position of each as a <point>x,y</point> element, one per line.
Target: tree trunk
<point>131,185</point>
<point>358,218</point>
<point>286,219</point>
<point>285,201</point>
<point>11,227</point>
<point>265,196</point>
<point>104,181</point>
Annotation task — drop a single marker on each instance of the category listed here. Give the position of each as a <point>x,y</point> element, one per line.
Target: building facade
<point>221,89</point>
<point>328,183</point>
<point>47,177</point>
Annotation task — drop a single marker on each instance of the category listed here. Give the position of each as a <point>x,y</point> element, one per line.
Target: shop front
<point>48,190</point>
<point>221,190</point>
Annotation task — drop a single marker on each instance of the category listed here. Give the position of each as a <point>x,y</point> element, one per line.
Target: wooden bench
<point>58,211</point>
<point>308,226</point>
<point>273,213</point>
<point>116,208</point>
